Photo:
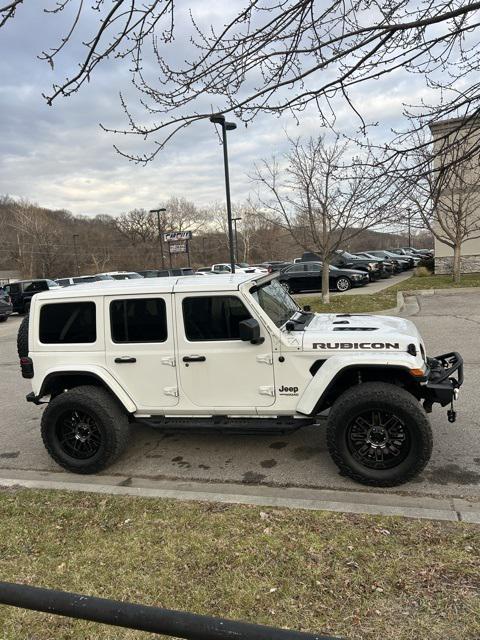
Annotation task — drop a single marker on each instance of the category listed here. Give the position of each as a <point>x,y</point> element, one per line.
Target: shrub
<point>422,272</point>
<point>428,263</point>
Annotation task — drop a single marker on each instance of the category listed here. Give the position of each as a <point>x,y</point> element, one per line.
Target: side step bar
<point>224,424</point>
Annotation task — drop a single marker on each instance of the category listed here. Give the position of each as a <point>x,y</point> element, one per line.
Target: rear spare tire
<point>22,338</point>
<point>85,429</point>
<point>378,434</point>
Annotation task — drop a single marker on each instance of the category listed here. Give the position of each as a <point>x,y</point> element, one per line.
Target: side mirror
<point>250,331</point>
<point>307,308</point>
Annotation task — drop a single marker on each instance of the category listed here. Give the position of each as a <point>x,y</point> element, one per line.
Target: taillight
<point>26,365</point>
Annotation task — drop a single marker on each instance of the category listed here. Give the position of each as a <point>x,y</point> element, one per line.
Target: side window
<point>297,268</point>
<point>313,267</point>
<point>213,318</point>
<point>68,322</point>
<point>28,287</point>
<point>163,273</point>
<point>138,320</point>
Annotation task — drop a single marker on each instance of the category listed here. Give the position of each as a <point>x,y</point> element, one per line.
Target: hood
<point>341,332</point>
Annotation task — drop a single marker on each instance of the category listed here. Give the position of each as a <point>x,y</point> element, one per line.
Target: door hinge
<point>168,360</point>
<point>170,391</point>
<point>266,358</point>
<point>266,391</point>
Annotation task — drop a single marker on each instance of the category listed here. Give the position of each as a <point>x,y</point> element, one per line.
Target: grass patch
<point>387,299</point>
<point>361,577</point>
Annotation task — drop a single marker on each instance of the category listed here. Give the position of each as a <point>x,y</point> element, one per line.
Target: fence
<point>177,624</point>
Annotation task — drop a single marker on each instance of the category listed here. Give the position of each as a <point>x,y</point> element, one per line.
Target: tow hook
<point>451,413</point>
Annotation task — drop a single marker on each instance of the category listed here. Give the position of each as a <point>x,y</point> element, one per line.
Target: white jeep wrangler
<point>230,352</point>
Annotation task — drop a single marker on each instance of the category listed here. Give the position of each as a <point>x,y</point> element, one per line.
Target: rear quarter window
<point>68,323</point>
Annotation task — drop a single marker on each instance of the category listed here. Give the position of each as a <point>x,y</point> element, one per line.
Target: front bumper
<point>445,377</point>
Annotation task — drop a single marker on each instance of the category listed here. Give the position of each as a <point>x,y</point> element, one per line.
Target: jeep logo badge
<point>288,391</point>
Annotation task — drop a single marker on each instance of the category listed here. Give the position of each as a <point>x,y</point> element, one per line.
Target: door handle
<point>194,358</point>
<point>125,360</point>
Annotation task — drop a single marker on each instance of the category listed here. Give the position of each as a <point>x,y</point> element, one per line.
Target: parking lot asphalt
<point>447,322</point>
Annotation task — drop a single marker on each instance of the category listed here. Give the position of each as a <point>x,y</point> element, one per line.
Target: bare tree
<point>323,200</point>
<point>447,197</point>
<point>138,226</point>
<point>271,56</point>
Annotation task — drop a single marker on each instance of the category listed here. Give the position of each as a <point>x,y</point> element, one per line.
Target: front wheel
<point>378,434</point>
<point>287,287</point>
<point>343,284</point>
<point>84,429</point>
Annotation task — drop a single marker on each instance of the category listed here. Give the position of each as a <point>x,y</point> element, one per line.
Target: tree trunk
<point>457,254</point>
<point>325,283</point>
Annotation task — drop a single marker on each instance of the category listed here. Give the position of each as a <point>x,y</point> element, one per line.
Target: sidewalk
<point>372,287</point>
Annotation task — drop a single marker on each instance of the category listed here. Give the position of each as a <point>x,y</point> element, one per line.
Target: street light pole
<point>159,226</point>
<point>235,220</point>
<point>227,126</point>
<point>75,236</point>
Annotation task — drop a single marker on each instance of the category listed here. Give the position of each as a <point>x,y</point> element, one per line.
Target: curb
<point>381,504</point>
<point>407,300</point>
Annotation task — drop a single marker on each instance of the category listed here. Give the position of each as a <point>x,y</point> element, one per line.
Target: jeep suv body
<point>22,292</point>
<point>233,352</point>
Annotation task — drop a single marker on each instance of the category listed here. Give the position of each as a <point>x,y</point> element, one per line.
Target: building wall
<point>470,260</point>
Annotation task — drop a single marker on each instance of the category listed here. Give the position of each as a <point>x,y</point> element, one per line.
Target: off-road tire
<point>22,338</point>
<point>111,419</point>
<point>386,398</point>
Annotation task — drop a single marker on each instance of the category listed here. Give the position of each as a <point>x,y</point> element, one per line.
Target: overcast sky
<point>59,157</point>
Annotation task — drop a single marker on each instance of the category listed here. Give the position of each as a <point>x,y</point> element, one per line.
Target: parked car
<point>388,267</point>
<point>420,252</point>
<point>68,282</point>
<point>345,260</point>
<point>401,263</point>
<point>22,292</point>
<point>165,273</point>
<point>121,275</point>
<point>224,267</point>
<point>6,307</point>
<point>406,255</point>
<point>307,276</point>
<point>275,265</point>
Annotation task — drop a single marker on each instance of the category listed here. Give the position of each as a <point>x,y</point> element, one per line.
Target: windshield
<point>350,256</point>
<point>275,301</point>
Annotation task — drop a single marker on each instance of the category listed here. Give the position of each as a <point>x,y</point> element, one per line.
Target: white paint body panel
<point>237,378</point>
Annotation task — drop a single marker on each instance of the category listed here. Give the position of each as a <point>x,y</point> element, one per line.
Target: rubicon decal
<point>356,345</point>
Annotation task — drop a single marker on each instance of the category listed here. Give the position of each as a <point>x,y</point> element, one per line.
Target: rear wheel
<point>84,429</point>
<point>378,434</point>
<point>343,284</point>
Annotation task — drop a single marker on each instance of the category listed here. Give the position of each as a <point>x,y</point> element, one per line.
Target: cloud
<point>59,156</point>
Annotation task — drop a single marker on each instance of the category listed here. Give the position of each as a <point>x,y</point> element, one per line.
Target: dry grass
<point>360,577</point>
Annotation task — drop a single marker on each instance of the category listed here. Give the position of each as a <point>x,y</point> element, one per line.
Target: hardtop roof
<point>141,286</point>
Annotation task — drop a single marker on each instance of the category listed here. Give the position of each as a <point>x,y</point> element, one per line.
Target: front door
<point>216,368</point>
<point>140,348</point>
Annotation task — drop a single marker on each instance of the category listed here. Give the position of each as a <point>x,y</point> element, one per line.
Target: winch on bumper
<point>441,386</point>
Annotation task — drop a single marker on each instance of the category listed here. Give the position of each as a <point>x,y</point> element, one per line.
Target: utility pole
<point>227,126</point>
<point>75,236</point>
<point>160,238</point>
<point>235,220</point>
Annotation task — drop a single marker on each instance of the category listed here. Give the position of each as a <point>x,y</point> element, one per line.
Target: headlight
<point>372,265</point>
<point>356,276</point>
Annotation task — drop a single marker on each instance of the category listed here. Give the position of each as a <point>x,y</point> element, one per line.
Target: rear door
<point>216,368</point>
<point>139,343</point>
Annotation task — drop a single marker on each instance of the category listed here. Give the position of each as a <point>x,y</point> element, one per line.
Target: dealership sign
<point>175,236</point>
<point>178,248</point>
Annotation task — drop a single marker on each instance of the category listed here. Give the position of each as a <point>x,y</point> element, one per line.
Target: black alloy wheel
<point>378,439</point>
<point>78,434</point>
